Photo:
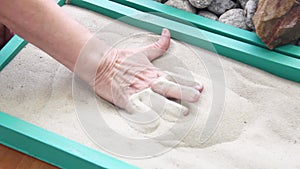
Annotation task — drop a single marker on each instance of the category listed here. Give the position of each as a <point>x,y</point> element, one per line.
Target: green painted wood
<point>61,2</point>
<point>14,46</point>
<point>65,153</point>
<point>10,50</point>
<point>206,24</point>
<point>52,148</point>
<point>270,61</point>
<point>42,144</point>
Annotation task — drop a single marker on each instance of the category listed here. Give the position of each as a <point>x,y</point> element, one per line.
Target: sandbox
<point>259,122</point>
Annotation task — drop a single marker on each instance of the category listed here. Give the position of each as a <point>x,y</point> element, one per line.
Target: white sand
<point>260,127</point>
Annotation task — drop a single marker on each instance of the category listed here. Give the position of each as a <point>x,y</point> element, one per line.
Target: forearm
<point>44,24</point>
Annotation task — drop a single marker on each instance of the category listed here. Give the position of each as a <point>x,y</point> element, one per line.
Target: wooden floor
<point>11,159</point>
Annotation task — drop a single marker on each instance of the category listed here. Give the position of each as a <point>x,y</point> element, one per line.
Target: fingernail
<point>195,97</point>
<point>185,111</point>
<point>164,31</point>
<point>199,88</point>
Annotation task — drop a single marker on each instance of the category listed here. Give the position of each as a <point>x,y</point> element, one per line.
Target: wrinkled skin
<point>125,77</point>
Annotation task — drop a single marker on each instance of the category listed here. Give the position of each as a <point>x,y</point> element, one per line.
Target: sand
<point>259,126</point>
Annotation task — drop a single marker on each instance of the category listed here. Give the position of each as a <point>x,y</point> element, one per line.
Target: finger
<point>141,118</point>
<point>163,107</point>
<point>173,90</point>
<point>159,47</point>
<point>183,80</point>
<point>167,109</point>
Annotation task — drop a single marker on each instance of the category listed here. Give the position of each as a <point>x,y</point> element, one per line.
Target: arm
<point>44,24</point>
<point>119,76</point>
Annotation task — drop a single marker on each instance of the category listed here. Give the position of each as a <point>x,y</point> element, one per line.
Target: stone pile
<point>238,13</point>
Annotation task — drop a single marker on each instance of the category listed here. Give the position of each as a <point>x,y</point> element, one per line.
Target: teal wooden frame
<point>229,41</point>
<point>206,24</point>
<point>52,148</point>
<point>64,153</point>
<point>42,144</point>
<point>10,50</point>
<point>15,45</point>
<point>271,61</point>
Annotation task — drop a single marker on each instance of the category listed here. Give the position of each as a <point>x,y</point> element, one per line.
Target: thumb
<point>159,47</point>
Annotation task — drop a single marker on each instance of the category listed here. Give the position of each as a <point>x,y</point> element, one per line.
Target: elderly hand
<point>128,79</point>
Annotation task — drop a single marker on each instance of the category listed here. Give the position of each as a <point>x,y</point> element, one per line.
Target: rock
<point>220,6</point>
<point>208,14</point>
<point>295,42</point>
<point>181,4</point>
<point>243,3</point>
<point>250,9</point>
<point>200,3</point>
<point>234,17</point>
<point>277,22</point>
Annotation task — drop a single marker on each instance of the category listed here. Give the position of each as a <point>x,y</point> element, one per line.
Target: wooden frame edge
<point>206,24</point>
<point>52,148</point>
<point>60,151</point>
<point>273,62</point>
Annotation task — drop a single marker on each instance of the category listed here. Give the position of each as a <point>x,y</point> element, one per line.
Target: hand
<point>128,79</point>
